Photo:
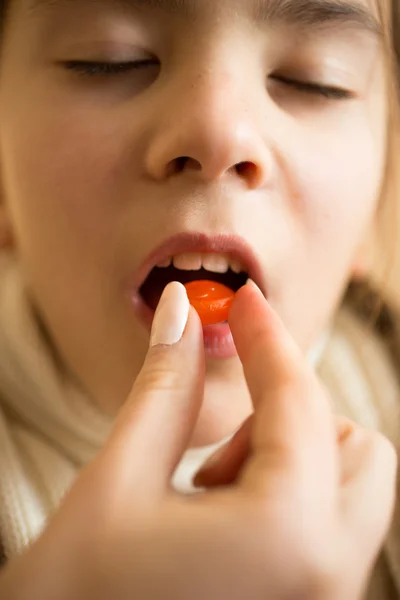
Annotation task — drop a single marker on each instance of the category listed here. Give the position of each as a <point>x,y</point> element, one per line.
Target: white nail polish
<point>171,315</point>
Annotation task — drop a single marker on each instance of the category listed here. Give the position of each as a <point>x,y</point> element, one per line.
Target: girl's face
<point>261,119</point>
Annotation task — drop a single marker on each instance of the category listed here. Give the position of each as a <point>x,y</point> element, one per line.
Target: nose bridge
<point>209,118</point>
<point>213,116</point>
<point>212,87</point>
<point>216,106</point>
<point>212,74</point>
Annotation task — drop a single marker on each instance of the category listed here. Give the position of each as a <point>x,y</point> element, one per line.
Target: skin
<point>122,532</point>
<point>91,185</point>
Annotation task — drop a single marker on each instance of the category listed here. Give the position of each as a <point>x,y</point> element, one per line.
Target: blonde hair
<point>373,298</point>
<point>387,248</point>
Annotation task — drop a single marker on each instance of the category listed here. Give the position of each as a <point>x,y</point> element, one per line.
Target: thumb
<point>155,425</point>
<point>292,437</point>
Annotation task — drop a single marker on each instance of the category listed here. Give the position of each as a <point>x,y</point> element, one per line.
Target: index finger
<point>293,431</point>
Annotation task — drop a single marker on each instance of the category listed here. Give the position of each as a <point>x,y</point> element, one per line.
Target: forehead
<point>359,14</point>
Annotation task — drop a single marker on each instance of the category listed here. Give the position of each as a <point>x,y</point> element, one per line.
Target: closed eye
<point>312,87</point>
<point>93,68</point>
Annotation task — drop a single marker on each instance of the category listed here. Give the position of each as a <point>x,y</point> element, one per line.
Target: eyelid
<point>308,86</point>
<point>98,67</point>
<point>92,68</point>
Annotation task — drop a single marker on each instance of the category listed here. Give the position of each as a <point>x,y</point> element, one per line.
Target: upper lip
<point>236,246</point>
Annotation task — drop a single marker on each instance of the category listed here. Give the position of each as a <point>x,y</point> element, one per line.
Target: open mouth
<point>221,268</point>
<point>195,256</point>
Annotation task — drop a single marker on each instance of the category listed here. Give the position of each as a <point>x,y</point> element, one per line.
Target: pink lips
<point>218,341</point>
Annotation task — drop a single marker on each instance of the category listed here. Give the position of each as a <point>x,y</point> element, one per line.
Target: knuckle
<point>159,379</point>
<point>160,373</point>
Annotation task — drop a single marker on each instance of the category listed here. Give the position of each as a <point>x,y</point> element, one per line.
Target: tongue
<point>154,285</point>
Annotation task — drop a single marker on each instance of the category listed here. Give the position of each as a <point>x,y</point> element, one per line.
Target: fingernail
<point>254,285</point>
<point>171,315</point>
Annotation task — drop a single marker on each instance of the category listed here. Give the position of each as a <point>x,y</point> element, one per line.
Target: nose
<point>206,129</point>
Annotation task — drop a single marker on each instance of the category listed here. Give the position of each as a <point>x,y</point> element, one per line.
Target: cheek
<point>335,181</point>
<point>68,202</point>
<point>339,177</point>
<point>62,177</point>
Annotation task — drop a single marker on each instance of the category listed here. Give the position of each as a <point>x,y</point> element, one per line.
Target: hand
<point>297,507</point>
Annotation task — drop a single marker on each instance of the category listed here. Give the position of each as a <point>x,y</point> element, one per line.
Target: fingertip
<point>248,298</point>
<point>249,316</point>
<point>175,319</point>
<point>252,284</point>
<point>171,316</point>
<point>252,318</point>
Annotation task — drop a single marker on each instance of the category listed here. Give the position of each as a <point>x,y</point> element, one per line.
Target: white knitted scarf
<point>49,429</point>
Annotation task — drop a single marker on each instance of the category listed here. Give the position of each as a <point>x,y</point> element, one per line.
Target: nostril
<point>246,169</point>
<point>178,165</point>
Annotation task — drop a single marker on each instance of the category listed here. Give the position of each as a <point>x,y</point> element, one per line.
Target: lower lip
<point>218,340</point>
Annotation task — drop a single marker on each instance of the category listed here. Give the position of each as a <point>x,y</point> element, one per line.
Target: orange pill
<point>211,300</point>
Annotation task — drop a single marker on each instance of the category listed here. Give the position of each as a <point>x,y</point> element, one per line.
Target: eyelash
<point>93,68</point>
<point>310,87</point>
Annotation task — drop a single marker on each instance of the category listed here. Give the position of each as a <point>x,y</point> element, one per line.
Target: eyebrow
<point>303,13</point>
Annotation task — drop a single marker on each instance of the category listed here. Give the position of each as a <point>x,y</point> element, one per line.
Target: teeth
<point>187,262</point>
<point>236,266</point>
<point>165,263</point>
<point>215,263</point>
